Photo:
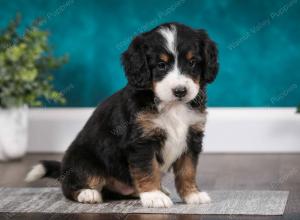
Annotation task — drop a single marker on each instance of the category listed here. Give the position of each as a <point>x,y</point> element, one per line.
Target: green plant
<point>26,62</point>
<point>298,109</point>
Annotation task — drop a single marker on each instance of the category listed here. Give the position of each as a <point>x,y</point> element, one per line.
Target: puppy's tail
<point>46,168</point>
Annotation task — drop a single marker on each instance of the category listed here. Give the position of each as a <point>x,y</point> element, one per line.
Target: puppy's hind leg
<point>87,190</point>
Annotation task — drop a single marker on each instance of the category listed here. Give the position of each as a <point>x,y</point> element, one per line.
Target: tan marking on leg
<point>117,186</point>
<point>185,175</point>
<point>96,182</point>
<point>145,182</point>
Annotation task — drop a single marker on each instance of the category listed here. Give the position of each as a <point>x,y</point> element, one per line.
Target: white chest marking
<point>176,120</point>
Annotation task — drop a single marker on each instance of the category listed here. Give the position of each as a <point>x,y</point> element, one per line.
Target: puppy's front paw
<point>155,199</point>
<point>197,198</point>
<point>89,196</point>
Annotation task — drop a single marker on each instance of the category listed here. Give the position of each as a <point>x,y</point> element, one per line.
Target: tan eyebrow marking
<point>164,57</point>
<point>189,55</point>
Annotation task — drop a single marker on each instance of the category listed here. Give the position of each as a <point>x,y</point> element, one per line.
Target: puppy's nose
<point>179,91</point>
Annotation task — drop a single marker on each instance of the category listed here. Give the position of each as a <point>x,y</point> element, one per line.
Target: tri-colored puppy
<point>154,124</point>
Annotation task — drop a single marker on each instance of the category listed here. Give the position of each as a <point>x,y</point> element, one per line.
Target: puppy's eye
<point>162,66</point>
<point>192,63</point>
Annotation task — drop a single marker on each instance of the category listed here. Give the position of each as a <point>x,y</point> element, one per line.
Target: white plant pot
<point>13,133</point>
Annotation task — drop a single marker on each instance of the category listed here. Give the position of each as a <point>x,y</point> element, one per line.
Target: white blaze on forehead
<point>174,77</point>
<point>170,35</point>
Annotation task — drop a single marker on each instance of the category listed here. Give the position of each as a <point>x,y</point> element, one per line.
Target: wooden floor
<point>216,172</point>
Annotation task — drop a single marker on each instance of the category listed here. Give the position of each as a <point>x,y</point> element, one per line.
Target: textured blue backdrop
<point>258,42</point>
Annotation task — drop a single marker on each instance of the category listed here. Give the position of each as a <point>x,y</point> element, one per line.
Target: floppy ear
<point>136,66</point>
<point>210,55</point>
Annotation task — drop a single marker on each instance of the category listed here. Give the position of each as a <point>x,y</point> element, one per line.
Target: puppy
<point>154,124</point>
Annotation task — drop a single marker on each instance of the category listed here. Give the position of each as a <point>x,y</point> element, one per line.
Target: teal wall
<point>259,43</point>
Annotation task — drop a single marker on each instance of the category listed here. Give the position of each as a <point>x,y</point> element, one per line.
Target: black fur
<point>136,65</point>
<point>52,168</point>
<point>210,58</point>
<point>111,140</point>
